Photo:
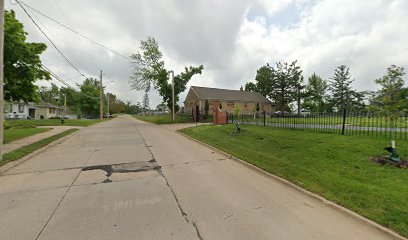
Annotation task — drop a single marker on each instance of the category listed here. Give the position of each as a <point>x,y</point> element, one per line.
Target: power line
<point>74,31</point>
<point>56,77</point>
<point>53,44</point>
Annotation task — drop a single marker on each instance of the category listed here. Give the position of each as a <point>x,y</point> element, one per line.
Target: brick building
<point>229,99</point>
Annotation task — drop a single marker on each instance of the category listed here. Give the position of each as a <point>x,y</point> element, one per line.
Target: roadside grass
<point>26,123</point>
<point>401,122</point>
<point>14,134</point>
<point>25,150</point>
<point>334,166</point>
<point>163,119</point>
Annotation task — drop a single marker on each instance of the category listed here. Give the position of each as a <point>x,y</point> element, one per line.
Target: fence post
<point>264,117</point>
<point>344,121</point>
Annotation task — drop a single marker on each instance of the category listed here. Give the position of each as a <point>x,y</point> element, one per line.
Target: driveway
<point>126,179</point>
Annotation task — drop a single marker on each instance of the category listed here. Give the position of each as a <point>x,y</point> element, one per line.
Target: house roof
<point>228,95</point>
<point>47,105</point>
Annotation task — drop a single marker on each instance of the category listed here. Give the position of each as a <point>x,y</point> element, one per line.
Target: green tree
<point>315,94</point>
<point>115,104</point>
<point>162,107</point>
<point>390,99</point>
<point>51,95</point>
<point>251,87</point>
<point>146,102</point>
<point>89,98</point>
<point>206,108</point>
<point>342,94</point>
<point>22,63</point>
<point>149,71</point>
<point>147,65</point>
<point>73,99</point>
<point>262,83</point>
<point>285,83</point>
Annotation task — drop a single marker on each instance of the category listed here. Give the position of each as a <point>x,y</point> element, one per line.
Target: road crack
<point>183,213</point>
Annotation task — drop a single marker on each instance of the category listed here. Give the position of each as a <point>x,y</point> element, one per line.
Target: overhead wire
<point>74,31</point>
<point>56,77</point>
<point>48,38</point>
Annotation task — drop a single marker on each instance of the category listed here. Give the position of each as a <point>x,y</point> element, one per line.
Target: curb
<point>10,165</point>
<point>329,203</point>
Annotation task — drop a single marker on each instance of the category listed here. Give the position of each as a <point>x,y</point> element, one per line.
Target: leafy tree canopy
<point>149,70</point>
<point>22,63</point>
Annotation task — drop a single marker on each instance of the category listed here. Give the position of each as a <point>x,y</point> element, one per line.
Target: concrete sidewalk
<point>126,179</point>
<point>36,137</point>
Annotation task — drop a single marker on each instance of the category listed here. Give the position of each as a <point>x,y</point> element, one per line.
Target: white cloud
<point>231,38</point>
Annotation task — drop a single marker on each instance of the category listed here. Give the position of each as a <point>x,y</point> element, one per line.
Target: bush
<point>6,125</point>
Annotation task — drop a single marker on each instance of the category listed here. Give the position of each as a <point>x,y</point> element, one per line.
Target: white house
<point>19,110</point>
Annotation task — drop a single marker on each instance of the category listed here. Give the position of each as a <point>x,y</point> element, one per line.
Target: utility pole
<point>1,75</point>
<point>100,97</point>
<point>65,104</point>
<point>107,95</point>
<point>172,95</point>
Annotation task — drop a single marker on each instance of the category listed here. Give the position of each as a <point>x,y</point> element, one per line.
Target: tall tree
<point>262,81</point>
<point>285,84</point>
<point>51,94</point>
<point>342,94</point>
<point>22,63</point>
<point>149,71</point>
<point>146,102</point>
<point>147,65</point>
<point>73,99</point>
<point>89,99</point>
<point>315,93</point>
<point>389,97</point>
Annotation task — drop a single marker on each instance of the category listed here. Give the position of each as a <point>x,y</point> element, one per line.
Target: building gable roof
<point>228,95</point>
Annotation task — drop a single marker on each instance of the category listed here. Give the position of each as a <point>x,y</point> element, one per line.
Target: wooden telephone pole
<point>100,97</point>
<point>1,76</point>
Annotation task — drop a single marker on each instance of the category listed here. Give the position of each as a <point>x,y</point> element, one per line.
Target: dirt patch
<point>384,160</point>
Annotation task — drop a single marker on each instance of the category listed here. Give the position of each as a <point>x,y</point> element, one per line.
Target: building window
<point>245,105</point>
<point>20,108</point>
<point>11,108</point>
<point>230,104</point>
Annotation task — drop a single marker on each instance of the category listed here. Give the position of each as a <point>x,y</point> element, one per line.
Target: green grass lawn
<point>19,133</point>
<point>25,150</point>
<point>23,123</point>
<point>163,119</point>
<point>334,166</point>
<point>329,120</point>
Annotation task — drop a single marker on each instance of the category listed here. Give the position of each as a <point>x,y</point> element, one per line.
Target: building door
<point>31,113</point>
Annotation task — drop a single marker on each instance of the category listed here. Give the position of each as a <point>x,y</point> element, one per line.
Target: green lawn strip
<point>14,134</point>
<point>162,119</point>
<point>401,122</point>
<point>25,150</point>
<point>21,123</point>
<point>334,166</point>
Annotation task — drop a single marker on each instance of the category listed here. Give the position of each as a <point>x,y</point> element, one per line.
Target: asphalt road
<point>126,179</point>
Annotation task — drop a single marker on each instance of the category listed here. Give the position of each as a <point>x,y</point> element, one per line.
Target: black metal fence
<point>347,122</point>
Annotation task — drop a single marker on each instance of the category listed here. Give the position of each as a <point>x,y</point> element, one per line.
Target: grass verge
<point>162,119</point>
<point>14,134</point>
<point>26,123</point>
<point>23,151</point>
<point>334,166</point>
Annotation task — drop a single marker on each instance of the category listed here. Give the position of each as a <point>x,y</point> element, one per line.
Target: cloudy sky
<point>231,38</point>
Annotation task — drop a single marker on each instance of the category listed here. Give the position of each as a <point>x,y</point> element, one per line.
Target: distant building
<point>229,99</point>
<point>22,110</point>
